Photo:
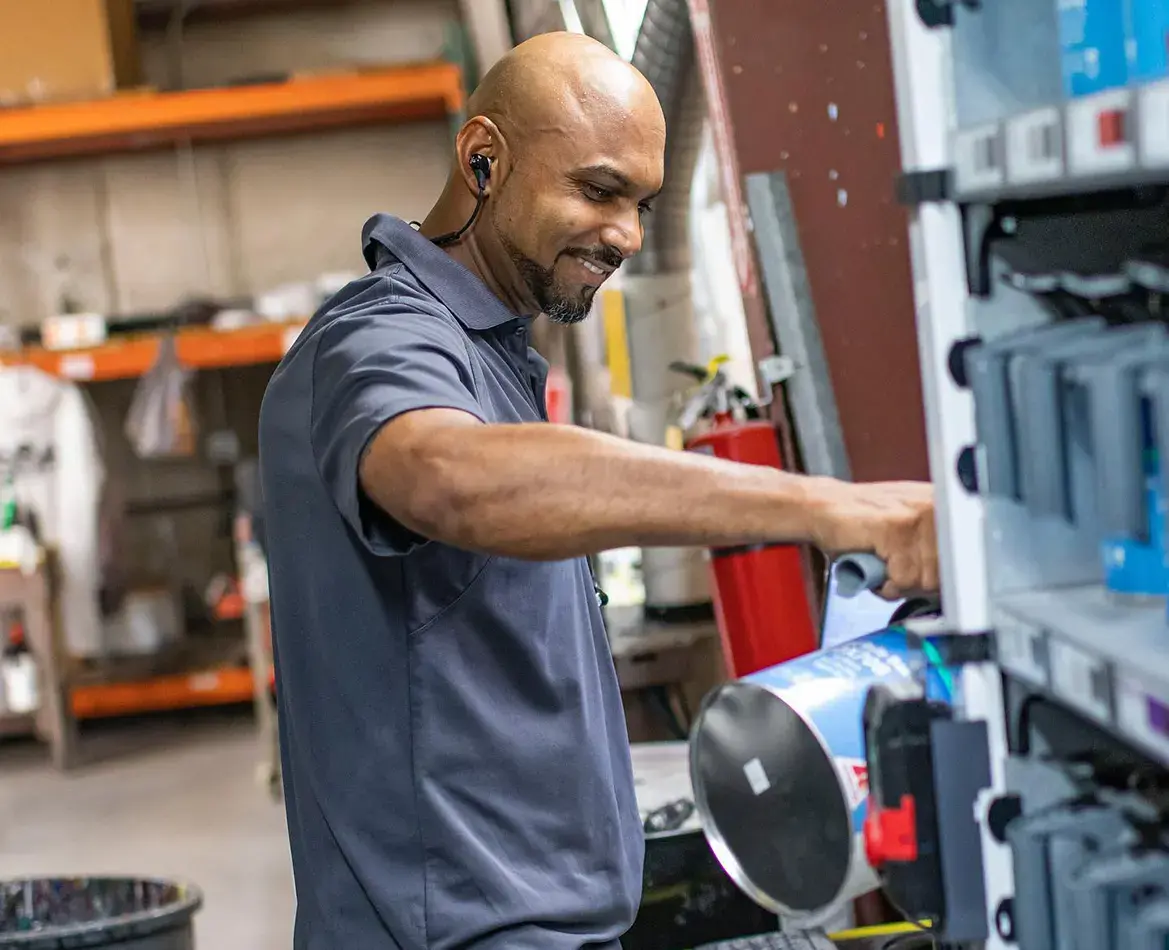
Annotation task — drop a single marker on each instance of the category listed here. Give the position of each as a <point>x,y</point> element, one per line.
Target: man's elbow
<point>442,511</point>
<point>427,488</point>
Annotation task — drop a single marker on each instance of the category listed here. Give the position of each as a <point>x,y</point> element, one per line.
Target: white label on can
<point>756,776</point>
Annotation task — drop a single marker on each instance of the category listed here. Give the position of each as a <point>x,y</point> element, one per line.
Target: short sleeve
<point>369,368</point>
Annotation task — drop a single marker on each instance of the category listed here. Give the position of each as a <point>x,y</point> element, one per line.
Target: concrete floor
<point>176,797</point>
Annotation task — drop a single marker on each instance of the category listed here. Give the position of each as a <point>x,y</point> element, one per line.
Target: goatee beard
<point>541,284</point>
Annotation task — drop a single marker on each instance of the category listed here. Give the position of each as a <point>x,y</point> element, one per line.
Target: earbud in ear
<point>481,166</point>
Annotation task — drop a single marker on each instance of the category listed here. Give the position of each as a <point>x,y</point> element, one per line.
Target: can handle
<point>859,571</point>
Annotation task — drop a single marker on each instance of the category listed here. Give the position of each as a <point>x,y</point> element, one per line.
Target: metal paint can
<point>687,897</point>
<point>777,763</point>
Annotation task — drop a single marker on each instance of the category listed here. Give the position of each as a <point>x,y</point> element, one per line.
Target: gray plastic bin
<point>119,913</point>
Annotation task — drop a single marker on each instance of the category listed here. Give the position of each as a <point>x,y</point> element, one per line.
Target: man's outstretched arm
<point>547,492</point>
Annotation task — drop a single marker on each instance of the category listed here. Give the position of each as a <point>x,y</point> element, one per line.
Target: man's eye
<point>597,193</point>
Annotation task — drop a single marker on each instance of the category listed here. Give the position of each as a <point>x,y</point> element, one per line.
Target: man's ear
<point>480,136</point>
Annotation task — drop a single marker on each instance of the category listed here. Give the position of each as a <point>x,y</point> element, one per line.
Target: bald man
<point>455,755</point>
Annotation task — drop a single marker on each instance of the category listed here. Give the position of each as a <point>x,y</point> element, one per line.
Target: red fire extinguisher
<point>760,594</point>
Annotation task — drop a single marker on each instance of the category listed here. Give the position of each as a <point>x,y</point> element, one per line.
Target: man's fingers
<point>903,568</point>
<point>931,574</point>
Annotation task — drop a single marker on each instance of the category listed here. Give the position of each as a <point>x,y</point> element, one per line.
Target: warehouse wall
<point>138,232</point>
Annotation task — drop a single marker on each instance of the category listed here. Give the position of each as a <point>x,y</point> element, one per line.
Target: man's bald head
<point>558,79</point>
<point>576,140</point>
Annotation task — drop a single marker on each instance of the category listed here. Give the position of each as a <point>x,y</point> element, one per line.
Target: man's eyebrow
<point>615,176</point>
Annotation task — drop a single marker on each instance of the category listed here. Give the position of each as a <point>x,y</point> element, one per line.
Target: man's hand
<point>894,520</point>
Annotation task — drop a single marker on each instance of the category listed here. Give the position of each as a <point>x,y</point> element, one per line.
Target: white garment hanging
<point>49,446</point>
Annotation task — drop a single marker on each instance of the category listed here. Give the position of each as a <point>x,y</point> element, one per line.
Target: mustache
<point>602,254</point>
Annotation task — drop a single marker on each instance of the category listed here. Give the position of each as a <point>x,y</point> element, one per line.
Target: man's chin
<point>569,310</point>
<point>566,317</point>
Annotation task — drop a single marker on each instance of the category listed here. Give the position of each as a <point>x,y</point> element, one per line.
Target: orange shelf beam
<point>142,120</point>
<point>217,687</point>
<point>198,348</point>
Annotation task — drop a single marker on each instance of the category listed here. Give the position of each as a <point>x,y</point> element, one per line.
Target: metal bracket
<point>925,186</point>
<point>935,13</point>
<point>777,369</point>
<point>952,649</point>
<point>981,224</point>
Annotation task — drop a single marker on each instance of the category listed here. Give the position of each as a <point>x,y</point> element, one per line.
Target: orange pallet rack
<point>131,356</point>
<point>142,120</point>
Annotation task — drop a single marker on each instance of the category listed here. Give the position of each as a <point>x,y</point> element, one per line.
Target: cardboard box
<point>66,50</point>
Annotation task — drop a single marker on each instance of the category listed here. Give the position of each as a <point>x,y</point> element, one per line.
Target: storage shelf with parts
<point>1041,252</point>
<point>1070,383</point>
<point>1058,99</point>
<point>195,673</point>
<point>1105,660</point>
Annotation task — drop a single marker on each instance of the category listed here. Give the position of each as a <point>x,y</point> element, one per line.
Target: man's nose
<point>624,233</point>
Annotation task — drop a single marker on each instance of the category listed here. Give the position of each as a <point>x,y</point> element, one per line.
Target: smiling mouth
<point>593,268</point>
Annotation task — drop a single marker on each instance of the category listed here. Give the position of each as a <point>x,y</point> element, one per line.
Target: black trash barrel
<point>119,913</point>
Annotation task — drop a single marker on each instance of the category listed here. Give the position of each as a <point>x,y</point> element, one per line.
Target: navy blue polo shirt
<point>456,763</point>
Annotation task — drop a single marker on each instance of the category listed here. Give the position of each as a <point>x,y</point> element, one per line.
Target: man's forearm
<point>550,492</point>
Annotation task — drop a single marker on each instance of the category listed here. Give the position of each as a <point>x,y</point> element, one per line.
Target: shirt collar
<point>386,238</point>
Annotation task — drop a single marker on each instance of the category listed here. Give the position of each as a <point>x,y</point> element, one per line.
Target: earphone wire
<point>444,240</point>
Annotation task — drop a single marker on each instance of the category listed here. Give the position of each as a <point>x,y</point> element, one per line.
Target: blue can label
<point>828,689</point>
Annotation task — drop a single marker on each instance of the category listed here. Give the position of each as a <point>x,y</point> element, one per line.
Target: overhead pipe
<point>659,304</point>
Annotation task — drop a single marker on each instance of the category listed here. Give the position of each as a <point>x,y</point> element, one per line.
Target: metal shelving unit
<point>1033,200</point>
<point>922,60</point>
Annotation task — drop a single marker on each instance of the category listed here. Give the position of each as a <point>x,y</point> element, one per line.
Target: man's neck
<point>447,218</point>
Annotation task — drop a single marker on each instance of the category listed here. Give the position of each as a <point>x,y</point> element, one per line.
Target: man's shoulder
<point>386,308</point>
<point>389,296</point>
<point>392,288</point>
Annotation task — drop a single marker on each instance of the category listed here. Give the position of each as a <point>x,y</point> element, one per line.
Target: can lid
<point>771,800</point>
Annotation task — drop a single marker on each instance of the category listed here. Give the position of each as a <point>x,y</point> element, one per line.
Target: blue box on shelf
<point>1094,42</point>
<point>1136,566</point>
<point>1123,396</point>
<point>1148,40</point>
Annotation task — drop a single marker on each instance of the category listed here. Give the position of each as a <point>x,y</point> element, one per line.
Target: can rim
<point>718,844</point>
